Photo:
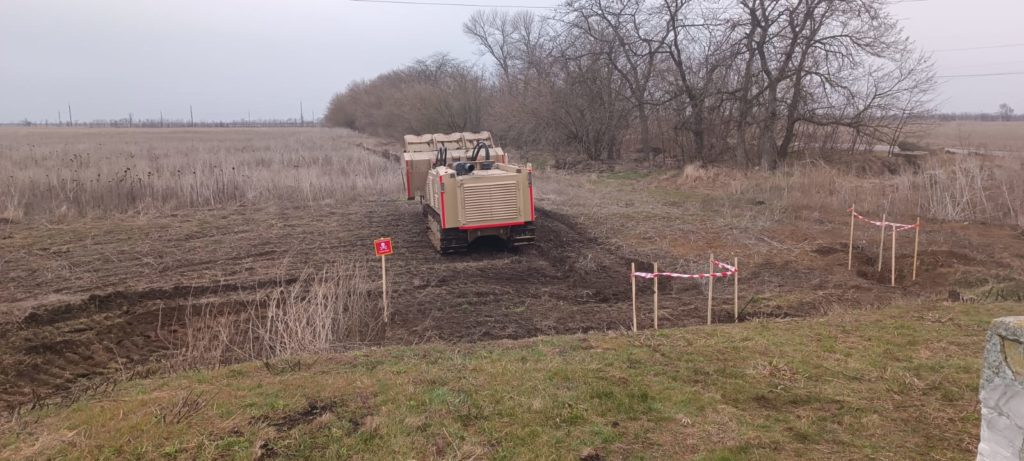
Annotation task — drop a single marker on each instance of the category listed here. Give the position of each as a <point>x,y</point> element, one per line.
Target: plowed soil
<point>95,301</point>
<point>487,293</point>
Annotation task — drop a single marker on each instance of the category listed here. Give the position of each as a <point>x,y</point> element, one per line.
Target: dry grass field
<point>998,136</point>
<point>84,172</point>
<point>128,254</point>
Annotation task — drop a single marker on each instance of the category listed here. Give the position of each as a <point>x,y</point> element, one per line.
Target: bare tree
<point>630,45</point>
<point>524,49</point>
<point>589,108</point>
<point>696,46</point>
<point>813,58</point>
<point>436,94</point>
<point>1005,112</point>
<point>493,31</point>
<point>750,81</point>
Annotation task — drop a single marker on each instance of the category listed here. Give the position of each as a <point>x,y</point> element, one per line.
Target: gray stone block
<point>1002,392</point>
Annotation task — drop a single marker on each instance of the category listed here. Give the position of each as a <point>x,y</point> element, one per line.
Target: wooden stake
<point>892,269</point>
<point>711,284</point>
<point>881,246</point>
<point>736,290</point>
<point>849,262</point>
<point>384,284</point>
<point>917,236</point>
<point>655,296</point>
<point>632,279</point>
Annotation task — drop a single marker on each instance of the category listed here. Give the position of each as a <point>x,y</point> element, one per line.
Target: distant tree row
<point>1006,113</point>
<point>746,82</point>
<point>436,94</point>
<point>171,123</point>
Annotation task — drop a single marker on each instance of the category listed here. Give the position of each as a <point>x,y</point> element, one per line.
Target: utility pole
<point>71,121</point>
<point>302,115</point>
<point>60,120</point>
<point>129,119</point>
<point>161,119</point>
<point>191,118</point>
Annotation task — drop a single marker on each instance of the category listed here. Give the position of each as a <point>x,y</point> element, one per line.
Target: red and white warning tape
<point>895,226</point>
<point>903,227</point>
<point>729,270</point>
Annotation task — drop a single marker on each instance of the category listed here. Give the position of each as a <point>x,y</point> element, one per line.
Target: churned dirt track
<point>54,347</point>
<point>93,301</point>
<point>86,307</point>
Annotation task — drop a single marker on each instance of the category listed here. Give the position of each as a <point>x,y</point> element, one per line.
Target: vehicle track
<point>567,282</point>
<point>106,337</point>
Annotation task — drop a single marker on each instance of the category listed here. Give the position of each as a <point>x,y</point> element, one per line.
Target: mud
<point>128,314</point>
<point>566,283</point>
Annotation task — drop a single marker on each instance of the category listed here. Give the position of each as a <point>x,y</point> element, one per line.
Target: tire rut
<point>52,352</point>
<point>567,282</point>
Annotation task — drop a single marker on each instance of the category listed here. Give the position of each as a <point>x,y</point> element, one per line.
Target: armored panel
<point>490,202</point>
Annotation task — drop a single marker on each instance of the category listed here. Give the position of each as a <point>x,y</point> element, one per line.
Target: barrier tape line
<point>726,266</point>
<point>903,227</point>
<point>895,226</point>
<point>729,270</point>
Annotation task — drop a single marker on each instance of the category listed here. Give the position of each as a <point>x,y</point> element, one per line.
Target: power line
<point>474,5</point>
<point>984,47</point>
<point>539,7</point>
<point>1001,63</point>
<point>994,74</point>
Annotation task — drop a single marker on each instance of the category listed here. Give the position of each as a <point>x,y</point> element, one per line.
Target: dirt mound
<point>570,281</point>
<point>867,166</point>
<point>566,283</point>
<point>77,347</point>
<point>562,284</point>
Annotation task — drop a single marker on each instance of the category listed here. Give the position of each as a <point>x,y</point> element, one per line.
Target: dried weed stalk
<point>321,312</point>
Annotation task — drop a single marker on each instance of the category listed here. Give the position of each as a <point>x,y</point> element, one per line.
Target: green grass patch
<point>898,383</point>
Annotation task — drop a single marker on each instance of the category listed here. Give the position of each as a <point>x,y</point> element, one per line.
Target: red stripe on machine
<point>491,226</point>
<point>408,180</point>
<point>532,215</point>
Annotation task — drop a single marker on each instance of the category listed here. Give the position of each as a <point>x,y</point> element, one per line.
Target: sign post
<point>881,245</point>
<point>655,296</point>
<point>736,290</point>
<point>382,247</point>
<point>849,257</point>
<point>711,283</point>
<point>892,268</point>
<point>632,280</point>
<point>917,236</point>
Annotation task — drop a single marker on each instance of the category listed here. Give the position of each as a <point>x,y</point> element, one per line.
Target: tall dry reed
<point>322,311</point>
<point>948,188</point>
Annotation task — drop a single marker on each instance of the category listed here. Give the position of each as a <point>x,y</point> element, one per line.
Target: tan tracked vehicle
<point>468,189</point>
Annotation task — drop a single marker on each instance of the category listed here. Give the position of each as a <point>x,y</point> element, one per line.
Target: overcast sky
<point>236,59</point>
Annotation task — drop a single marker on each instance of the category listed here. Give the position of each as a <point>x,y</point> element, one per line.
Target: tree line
<point>747,82</point>
<point>1005,113</point>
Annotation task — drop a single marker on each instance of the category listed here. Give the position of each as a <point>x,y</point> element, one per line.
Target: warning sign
<point>382,246</point>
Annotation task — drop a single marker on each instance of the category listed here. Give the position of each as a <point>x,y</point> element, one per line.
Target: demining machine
<point>468,189</point>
